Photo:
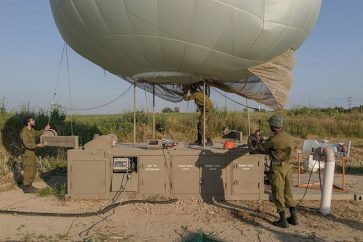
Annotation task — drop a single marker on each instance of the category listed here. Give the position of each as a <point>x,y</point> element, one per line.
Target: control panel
<point>124,164</point>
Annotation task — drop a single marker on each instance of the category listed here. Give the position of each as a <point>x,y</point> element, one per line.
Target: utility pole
<point>349,100</point>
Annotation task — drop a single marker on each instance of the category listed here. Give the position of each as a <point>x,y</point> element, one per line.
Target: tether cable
<point>69,91</point>
<point>244,105</point>
<point>56,82</point>
<point>103,105</point>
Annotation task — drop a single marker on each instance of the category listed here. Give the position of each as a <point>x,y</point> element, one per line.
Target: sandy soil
<point>184,220</point>
<point>176,221</point>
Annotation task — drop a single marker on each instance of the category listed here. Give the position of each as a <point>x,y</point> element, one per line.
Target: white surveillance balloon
<point>240,46</point>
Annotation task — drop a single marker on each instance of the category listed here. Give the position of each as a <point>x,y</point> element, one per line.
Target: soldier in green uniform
<point>198,97</point>
<point>279,148</point>
<point>28,135</point>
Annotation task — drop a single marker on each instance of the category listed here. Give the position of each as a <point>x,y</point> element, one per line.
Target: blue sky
<point>329,64</point>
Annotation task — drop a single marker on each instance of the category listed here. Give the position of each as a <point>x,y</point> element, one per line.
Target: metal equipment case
<point>181,172</point>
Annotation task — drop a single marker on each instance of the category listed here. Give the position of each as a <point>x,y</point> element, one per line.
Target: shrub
<point>167,110</point>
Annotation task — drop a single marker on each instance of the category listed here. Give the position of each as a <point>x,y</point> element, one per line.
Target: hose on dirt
<point>85,214</point>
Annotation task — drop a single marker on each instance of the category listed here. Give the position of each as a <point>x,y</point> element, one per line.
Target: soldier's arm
<point>39,133</point>
<point>265,147</point>
<point>28,140</point>
<point>187,98</point>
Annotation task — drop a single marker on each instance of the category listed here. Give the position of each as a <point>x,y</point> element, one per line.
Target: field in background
<point>339,125</point>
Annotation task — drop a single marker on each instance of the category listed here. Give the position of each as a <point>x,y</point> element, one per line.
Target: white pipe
<point>326,194</point>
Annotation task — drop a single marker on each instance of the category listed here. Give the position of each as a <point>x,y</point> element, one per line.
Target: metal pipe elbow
<point>326,152</point>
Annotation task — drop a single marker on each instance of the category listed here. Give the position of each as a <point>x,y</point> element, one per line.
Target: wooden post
<point>153,110</point>
<point>343,173</point>
<point>298,169</point>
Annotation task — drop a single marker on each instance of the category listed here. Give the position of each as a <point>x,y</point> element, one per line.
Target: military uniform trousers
<point>29,166</point>
<point>208,115</point>
<point>280,180</point>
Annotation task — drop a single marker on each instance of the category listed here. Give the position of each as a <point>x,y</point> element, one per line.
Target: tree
<point>167,110</point>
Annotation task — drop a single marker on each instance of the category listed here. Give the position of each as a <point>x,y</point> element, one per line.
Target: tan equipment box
<point>182,172</point>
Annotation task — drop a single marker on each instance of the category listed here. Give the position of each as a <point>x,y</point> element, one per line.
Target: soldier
<point>28,135</point>
<point>198,97</point>
<point>279,148</point>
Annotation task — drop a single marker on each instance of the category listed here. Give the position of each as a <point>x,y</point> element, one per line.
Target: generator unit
<point>104,167</point>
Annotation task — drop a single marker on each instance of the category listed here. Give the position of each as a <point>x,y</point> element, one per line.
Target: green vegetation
<point>57,190</point>
<point>303,122</point>
<point>331,122</point>
<point>182,126</point>
<point>200,236</point>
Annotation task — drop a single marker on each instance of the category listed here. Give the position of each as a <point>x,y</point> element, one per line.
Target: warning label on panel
<point>213,167</point>
<point>152,168</point>
<point>185,167</point>
<point>244,165</point>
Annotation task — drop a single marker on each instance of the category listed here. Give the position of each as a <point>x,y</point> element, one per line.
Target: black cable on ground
<point>113,201</point>
<point>306,189</point>
<point>85,214</point>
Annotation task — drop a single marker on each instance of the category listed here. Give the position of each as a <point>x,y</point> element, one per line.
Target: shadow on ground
<point>56,177</point>
<point>254,216</point>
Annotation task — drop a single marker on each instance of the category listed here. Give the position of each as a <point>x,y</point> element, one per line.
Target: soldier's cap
<point>276,120</point>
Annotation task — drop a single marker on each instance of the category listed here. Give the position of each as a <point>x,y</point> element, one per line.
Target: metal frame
<point>316,184</point>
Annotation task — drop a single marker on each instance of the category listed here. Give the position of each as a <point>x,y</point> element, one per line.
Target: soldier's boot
<point>282,222</point>
<point>209,142</point>
<point>293,218</point>
<point>30,189</point>
<point>198,141</point>
<point>34,188</point>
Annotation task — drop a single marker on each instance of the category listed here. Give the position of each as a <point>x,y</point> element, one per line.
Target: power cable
<point>85,214</point>
<point>302,199</point>
<point>70,227</point>
<point>115,198</point>
<point>167,170</point>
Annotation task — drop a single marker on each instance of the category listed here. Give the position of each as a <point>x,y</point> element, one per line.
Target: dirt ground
<point>182,220</point>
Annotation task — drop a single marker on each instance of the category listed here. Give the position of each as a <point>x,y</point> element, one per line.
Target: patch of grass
<point>58,190</point>
<point>7,186</point>
<point>52,165</point>
<point>27,238</point>
<point>200,236</point>
<point>353,170</point>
